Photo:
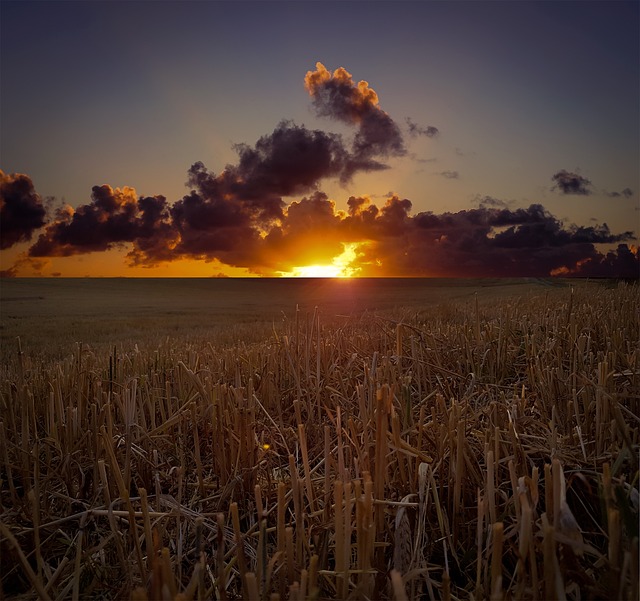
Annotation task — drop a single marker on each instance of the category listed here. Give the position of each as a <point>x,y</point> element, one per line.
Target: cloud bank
<point>240,217</point>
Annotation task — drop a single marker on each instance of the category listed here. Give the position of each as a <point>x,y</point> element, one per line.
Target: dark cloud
<point>450,174</point>
<point>416,130</point>
<point>623,262</point>
<point>571,183</point>
<point>336,95</point>
<point>21,209</point>
<point>626,193</point>
<point>488,242</point>
<point>550,233</point>
<point>291,160</point>
<point>210,227</point>
<point>113,217</point>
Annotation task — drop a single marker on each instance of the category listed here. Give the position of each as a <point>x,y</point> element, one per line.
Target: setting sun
<point>342,266</point>
<point>317,271</point>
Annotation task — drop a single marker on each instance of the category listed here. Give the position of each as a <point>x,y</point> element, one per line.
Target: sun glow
<point>342,266</point>
<point>317,271</point>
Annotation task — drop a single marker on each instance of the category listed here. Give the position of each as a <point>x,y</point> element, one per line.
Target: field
<point>319,439</point>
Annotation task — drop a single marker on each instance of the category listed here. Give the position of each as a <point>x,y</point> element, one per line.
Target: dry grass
<point>484,450</point>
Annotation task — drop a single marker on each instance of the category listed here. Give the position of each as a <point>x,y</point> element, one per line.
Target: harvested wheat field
<point>319,439</point>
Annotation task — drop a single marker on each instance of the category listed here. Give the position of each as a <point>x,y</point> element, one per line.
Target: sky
<point>351,138</point>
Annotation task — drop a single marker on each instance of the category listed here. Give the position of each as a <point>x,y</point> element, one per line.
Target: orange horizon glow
<point>113,263</point>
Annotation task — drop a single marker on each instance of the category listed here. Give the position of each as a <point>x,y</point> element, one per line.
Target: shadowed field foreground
<point>476,446</point>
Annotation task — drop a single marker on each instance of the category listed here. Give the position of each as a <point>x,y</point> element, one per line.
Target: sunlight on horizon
<point>340,267</point>
<point>316,271</point>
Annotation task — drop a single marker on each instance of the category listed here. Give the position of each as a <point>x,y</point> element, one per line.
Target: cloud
<point>21,209</point>
<point>486,242</point>
<point>25,265</point>
<point>337,96</point>
<point>490,201</point>
<point>291,160</point>
<point>626,193</point>
<point>450,174</point>
<point>210,226</point>
<point>414,157</point>
<point>309,233</point>
<point>114,216</point>
<point>416,130</point>
<point>571,183</point>
<point>623,262</point>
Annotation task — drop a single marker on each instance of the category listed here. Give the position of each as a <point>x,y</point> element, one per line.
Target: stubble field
<point>319,439</point>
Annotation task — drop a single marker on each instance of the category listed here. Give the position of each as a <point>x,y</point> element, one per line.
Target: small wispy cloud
<point>415,130</point>
<point>569,182</point>
<point>626,193</point>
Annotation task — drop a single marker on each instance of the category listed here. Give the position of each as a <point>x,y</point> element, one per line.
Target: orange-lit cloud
<point>337,96</point>
<point>114,216</point>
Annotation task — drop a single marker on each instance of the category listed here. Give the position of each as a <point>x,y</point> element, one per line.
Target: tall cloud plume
<point>336,95</point>
<point>571,183</point>
<point>22,211</point>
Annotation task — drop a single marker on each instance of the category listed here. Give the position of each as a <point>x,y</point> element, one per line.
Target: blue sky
<point>134,93</point>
